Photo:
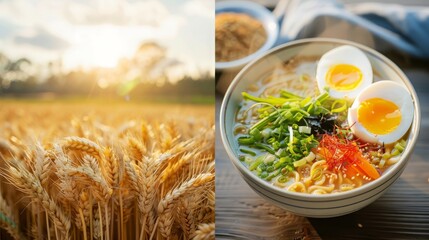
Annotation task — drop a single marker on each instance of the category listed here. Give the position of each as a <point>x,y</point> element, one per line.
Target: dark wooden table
<point>401,213</point>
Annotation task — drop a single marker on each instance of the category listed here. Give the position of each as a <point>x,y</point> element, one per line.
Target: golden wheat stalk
<point>186,215</point>
<point>98,185</point>
<point>148,181</point>
<point>111,170</point>
<point>206,231</point>
<point>135,149</point>
<point>29,184</point>
<point>82,144</point>
<point>6,149</point>
<point>42,166</point>
<point>108,182</point>
<point>165,206</point>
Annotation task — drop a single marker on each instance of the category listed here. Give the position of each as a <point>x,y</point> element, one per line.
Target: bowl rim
<point>271,27</point>
<point>415,127</point>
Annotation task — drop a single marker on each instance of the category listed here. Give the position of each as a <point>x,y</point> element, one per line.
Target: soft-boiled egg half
<point>344,71</point>
<point>381,113</point>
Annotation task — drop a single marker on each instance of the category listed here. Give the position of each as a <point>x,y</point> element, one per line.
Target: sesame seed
<point>360,225</point>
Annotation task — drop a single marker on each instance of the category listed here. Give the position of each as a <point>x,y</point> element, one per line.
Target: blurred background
<point>115,49</point>
<point>272,3</point>
<point>397,29</point>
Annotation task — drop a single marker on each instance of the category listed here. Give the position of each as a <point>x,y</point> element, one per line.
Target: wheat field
<point>77,170</point>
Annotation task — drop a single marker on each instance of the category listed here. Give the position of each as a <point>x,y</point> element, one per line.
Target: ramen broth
<point>315,175</point>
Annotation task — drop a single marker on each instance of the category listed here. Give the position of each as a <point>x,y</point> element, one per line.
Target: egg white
<point>344,55</point>
<point>390,91</point>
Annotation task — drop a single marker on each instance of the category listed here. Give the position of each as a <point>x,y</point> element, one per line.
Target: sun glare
<point>99,47</point>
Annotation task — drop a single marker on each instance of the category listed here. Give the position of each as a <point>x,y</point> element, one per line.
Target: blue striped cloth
<point>381,26</point>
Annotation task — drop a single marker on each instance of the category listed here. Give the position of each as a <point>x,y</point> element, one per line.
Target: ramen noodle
<point>298,138</point>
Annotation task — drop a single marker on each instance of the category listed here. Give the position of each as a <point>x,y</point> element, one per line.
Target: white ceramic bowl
<point>321,206</point>
<point>258,12</point>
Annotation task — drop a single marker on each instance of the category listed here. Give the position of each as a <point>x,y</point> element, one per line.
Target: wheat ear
<point>196,209</point>
<point>176,167</point>
<point>166,205</point>
<point>6,149</point>
<point>32,186</point>
<point>42,165</point>
<point>189,186</point>
<point>186,215</point>
<point>111,173</point>
<point>142,178</point>
<point>82,144</point>
<point>102,191</point>
<point>83,207</point>
<point>206,231</point>
<point>148,184</point>
<point>111,167</point>
<point>135,149</point>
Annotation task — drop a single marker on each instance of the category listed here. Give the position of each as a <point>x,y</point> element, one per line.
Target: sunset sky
<point>97,33</point>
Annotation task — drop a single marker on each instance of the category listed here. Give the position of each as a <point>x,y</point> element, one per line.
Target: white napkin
<point>380,26</point>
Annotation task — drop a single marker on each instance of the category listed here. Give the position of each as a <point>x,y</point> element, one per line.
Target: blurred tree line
<point>148,75</point>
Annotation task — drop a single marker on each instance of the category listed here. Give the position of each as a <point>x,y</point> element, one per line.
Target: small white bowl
<point>258,12</point>
<point>321,206</point>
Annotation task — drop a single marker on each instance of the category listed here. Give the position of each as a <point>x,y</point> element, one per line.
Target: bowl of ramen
<point>244,30</point>
<point>320,127</point>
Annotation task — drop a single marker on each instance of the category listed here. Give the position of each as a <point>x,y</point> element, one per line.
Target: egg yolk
<point>343,77</point>
<point>379,116</point>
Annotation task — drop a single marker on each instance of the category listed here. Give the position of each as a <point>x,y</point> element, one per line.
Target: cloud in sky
<point>204,9</point>
<point>43,39</point>
<point>6,28</point>
<point>89,32</point>
<point>116,12</point>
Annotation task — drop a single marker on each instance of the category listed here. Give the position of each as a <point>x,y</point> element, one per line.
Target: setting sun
<point>100,47</point>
